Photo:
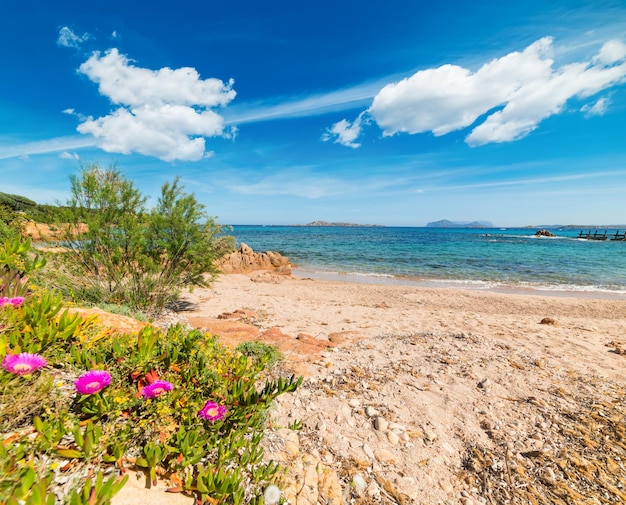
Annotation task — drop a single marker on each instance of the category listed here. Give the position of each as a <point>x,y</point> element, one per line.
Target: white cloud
<point>597,109</point>
<point>282,107</point>
<point>345,133</point>
<point>69,156</point>
<point>164,113</point>
<point>515,93</point>
<point>611,52</point>
<point>58,144</point>
<point>81,117</point>
<point>67,38</point>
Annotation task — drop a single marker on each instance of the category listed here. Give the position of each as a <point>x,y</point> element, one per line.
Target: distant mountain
<point>444,223</point>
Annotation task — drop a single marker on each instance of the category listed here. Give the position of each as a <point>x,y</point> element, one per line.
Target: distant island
<point>346,225</point>
<point>444,223</point>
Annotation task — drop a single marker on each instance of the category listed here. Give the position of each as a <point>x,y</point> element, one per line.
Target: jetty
<point>617,237</point>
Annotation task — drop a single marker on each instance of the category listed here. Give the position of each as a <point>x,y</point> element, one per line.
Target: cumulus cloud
<point>611,52</point>
<point>165,113</point>
<point>513,93</point>
<point>67,38</point>
<point>345,133</point>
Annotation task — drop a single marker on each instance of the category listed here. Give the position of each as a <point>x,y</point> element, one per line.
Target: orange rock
<point>245,260</point>
<point>549,320</point>
<point>123,324</point>
<point>230,332</point>
<point>342,337</point>
<point>44,232</point>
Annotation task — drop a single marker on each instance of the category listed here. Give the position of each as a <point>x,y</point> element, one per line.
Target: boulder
<point>544,233</point>
<point>117,322</point>
<point>550,321</point>
<point>245,260</point>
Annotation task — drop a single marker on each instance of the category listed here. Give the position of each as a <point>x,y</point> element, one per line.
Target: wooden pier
<point>617,237</point>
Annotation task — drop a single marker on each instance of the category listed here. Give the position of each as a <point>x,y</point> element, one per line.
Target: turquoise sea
<point>500,259</point>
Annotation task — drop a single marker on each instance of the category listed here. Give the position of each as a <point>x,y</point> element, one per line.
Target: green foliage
<point>98,492</point>
<point>268,355</point>
<point>27,209</point>
<point>123,310</point>
<point>11,223</point>
<point>16,202</point>
<point>217,458</point>
<point>16,267</point>
<point>39,325</point>
<point>122,252</point>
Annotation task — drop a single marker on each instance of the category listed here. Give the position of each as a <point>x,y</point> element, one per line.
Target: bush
<point>11,223</point>
<point>16,267</point>
<point>121,252</point>
<point>266,354</point>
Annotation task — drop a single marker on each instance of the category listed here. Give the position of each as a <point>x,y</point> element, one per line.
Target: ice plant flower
<point>212,411</point>
<point>156,388</point>
<point>92,382</point>
<point>23,364</point>
<point>15,301</point>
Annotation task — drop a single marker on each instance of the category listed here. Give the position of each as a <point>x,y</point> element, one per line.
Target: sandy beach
<point>428,395</point>
<point>577,339</point>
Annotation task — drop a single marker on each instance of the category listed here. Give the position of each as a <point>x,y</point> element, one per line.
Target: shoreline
<point>481,286</point>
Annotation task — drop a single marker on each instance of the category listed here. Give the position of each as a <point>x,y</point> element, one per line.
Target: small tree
<point>183,241</point>
<point>122,252</point>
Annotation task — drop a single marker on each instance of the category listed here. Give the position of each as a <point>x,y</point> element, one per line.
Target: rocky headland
<point>245,260</point>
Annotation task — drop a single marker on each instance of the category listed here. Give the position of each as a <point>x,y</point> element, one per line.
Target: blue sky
<point>396,113</point>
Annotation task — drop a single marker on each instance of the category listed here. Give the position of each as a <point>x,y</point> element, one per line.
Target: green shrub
<point>266,354</point>
<point>119,251</point>
<point>16,266</point>
<point>11,223</point>
<point>27,209</point>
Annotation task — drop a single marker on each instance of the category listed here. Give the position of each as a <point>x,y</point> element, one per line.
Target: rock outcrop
<point>544,233</point>
<point>245,260</point>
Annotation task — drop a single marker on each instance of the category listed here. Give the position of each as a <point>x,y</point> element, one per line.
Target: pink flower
<point>212,411</point>
<point>15,301</point>
<point>156,388</point>
<point>92,382</point>
<point>23,364</point>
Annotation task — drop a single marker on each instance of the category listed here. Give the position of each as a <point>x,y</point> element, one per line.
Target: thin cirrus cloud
<point>165,113</point>
<point>58,144</point>
<point>515,92</point>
